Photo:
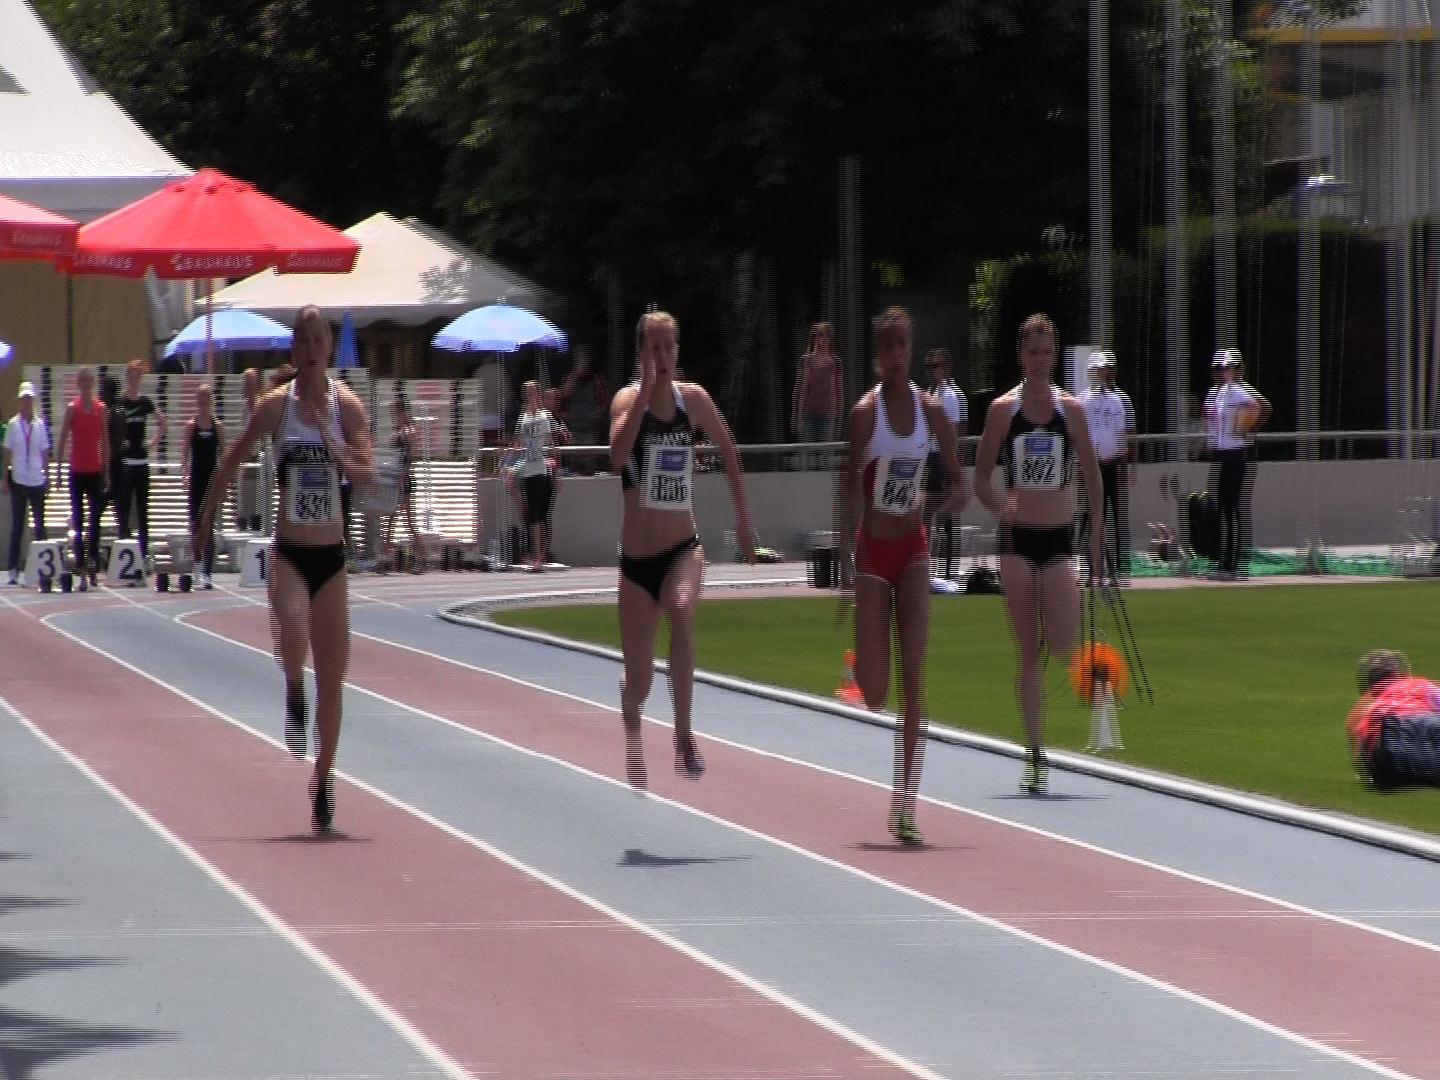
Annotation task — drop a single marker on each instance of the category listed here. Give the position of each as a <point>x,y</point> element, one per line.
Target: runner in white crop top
<point>889,440</point>
<point>322,434</point>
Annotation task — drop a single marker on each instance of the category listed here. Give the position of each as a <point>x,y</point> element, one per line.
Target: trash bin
<point>822,559</point>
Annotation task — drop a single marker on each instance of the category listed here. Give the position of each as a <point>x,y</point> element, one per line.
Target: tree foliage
<point>635,134</point>
<point>291,94</point>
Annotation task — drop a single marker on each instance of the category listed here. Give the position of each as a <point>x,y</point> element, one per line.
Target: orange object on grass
<point>1096,660</point>
<point>849,690</point>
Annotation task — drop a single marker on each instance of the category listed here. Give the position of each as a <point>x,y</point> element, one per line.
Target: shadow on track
<point>29,1043</point>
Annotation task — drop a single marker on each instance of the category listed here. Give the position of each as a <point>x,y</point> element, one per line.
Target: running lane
<point>492,969</point>
<point>1341,986</point>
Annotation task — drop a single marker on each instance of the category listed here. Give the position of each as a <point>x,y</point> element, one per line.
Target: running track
<point>499,904</point>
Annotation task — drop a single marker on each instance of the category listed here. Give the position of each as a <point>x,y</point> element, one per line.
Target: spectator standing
<point>134,412</point>
<point>1232,412</point>
<point>816,408</point>
<point>27,465</point>
<point>203,444</point>
<point>939,370</point>
<point>535,438</point>
<point>1111,419</point>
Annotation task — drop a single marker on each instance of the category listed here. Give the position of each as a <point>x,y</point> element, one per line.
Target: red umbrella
<point>206,226</point>
<point>27,232</point>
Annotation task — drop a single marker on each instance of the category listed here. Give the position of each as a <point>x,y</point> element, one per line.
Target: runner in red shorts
<point>890,429</point>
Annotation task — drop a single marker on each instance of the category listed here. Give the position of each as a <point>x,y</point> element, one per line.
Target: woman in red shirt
<point>85,443</point>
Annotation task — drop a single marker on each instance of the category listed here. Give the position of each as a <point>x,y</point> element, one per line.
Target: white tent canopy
<point>64,144</point>
<point>408,273</point>
<point>68,147</point>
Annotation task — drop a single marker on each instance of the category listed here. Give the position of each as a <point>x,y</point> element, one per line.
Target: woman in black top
<point>135,411</point>
<point>652,445</point>
<point>204,443</point>
<point>403,441</point>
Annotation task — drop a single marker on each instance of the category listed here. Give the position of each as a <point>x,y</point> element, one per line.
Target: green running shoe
<point>902,828</point>
<point>1035,780</point>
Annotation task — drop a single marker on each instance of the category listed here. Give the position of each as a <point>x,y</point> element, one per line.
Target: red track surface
<point>506,975</point>
<point>1343,986</point>
<point>434,927</point>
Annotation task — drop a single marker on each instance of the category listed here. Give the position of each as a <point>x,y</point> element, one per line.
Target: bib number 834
<point>898,494</point>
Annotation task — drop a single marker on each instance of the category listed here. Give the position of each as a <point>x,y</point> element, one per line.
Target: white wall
<point>1350,502</point>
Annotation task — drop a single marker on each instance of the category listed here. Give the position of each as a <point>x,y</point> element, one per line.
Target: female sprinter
<point>320,431</point>
<point>1037,432</point>
<point>890,432</point>
<point>653,426</point>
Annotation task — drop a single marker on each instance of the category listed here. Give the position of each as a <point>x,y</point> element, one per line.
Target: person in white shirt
<point>1111,420</point>
<point>535,438</point>
<point>1233,411</point>
<point>938,368</point>
<point>27,464</point>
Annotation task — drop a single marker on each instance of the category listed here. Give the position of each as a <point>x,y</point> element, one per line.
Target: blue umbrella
<point>347,350</point>
<point>6,351</point>
<point>498,328</point>
<point>231,329</point>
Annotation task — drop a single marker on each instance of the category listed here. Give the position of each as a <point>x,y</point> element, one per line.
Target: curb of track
<point>1406,842</point>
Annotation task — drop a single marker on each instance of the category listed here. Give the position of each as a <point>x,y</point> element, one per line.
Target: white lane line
<point>387,1015</point>
<point>734,974</point>
<point>1083,845</point>
<point>985,920</point>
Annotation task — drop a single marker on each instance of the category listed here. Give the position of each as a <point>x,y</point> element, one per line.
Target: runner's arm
<point>997,419</point>
<point>700,406</point>
<point>949,454</point>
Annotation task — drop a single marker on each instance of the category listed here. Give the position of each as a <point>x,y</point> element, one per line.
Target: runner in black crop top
<point>661,561</point>
<point>1056,425</point>
<point>1036,512</point>
<point>655,432</point>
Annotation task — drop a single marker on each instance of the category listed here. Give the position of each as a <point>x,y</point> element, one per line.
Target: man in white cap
<point>1111,419</point>
<point>27,463</point>
<point>1232,412</point>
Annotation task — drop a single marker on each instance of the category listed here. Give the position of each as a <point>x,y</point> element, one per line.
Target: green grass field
<point>1251,686</point>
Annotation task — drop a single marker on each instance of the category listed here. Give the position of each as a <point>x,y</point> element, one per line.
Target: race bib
<point>312,495</point>
<point>668,477</point>
<point>898,484</point>
<point>1037,461</point>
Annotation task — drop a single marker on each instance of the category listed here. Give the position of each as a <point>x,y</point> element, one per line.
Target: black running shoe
<point>688,761</point>
<point>295,738</point>
<point>322,805</point>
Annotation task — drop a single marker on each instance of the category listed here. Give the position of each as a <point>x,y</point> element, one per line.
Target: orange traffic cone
<point>849,689</point>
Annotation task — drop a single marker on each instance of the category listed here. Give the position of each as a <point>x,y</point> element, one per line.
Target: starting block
<point>183,582</point>
<point>126,566</point>
<point>181,565</point>
<point>255,562</point>
<point>45,562</point>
